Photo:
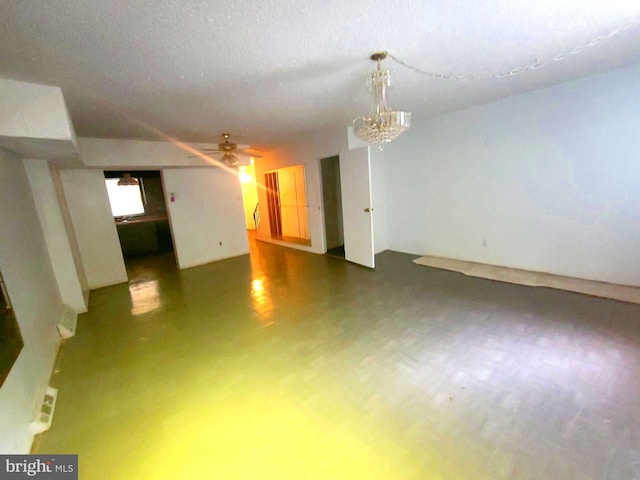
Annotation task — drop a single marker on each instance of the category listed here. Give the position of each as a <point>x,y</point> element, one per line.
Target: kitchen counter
<point>157,217</point>
<point>144,233</point>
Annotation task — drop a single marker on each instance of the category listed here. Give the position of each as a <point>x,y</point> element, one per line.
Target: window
<point>124,199</point>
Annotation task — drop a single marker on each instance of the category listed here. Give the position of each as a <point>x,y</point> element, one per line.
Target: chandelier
<point>383,124</point>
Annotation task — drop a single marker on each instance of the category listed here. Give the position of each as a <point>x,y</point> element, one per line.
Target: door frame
<point>321,206</point>
<point>321,195</point>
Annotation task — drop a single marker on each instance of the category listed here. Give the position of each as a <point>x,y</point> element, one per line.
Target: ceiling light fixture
<point>230,160</point>
<point>383,124</point>
<point>127,180</point>
<point>227,149</point>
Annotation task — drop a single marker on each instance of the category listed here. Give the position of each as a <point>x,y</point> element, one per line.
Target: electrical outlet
<point>484,242</point>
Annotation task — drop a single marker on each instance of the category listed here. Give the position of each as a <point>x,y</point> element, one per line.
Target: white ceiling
<point>266,71</point>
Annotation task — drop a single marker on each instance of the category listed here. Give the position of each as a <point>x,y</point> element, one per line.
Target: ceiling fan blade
<point>247,153</point>
<point>204,154</point>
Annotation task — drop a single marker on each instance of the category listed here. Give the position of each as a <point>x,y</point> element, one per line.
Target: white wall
<point>551,180</point>
<point>55,234</point>
<point>111,154</point>
<point>71,234</point>
<point>35,122</point>
<point>33,111</point>
<point>306,151</point>
<point>207,211</point>
<point>95,229</point>
<point>33,290</point>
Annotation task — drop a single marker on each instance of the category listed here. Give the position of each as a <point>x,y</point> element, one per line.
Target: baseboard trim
<point>67,322</point>
<point>293,246</point>
<point>529,278</point>
<point>207,262</point>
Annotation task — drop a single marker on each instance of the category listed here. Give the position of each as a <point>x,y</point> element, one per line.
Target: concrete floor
<point>288,365</point>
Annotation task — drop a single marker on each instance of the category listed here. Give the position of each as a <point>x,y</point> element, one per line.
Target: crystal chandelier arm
<point>378,82</point>
<point>384,105</point>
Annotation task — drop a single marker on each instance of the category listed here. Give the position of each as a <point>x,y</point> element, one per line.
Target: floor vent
<point>67,322</point>
<point>44,414</point>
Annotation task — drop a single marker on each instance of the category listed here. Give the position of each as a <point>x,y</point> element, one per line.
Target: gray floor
<point>291,365</point>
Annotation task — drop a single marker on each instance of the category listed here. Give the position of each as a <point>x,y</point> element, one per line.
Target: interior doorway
<point>332,201</point>
<point>247,176</point>
<point>140,213</point>
<point>287,205</point>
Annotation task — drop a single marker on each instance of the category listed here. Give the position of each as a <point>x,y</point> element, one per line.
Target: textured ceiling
<point>269,70</point>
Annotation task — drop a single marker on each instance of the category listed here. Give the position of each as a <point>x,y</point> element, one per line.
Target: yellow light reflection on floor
<point>257,286</point>
<point>145,297</point>
<point>254,440</point>
<point>261,299</point>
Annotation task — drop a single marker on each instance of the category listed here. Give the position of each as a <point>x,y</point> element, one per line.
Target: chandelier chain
<point>521,69</point>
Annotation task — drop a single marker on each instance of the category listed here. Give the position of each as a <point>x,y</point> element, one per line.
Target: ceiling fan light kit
<point>383,124</point>
<point>228,150</point>
<point>230,160</point>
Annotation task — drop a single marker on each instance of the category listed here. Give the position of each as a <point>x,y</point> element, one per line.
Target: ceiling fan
<point>229,150</point>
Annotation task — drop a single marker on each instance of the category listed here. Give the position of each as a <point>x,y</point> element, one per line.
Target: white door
<point>355,183</point>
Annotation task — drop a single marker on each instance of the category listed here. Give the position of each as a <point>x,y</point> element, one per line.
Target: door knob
<point>368,209</point>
